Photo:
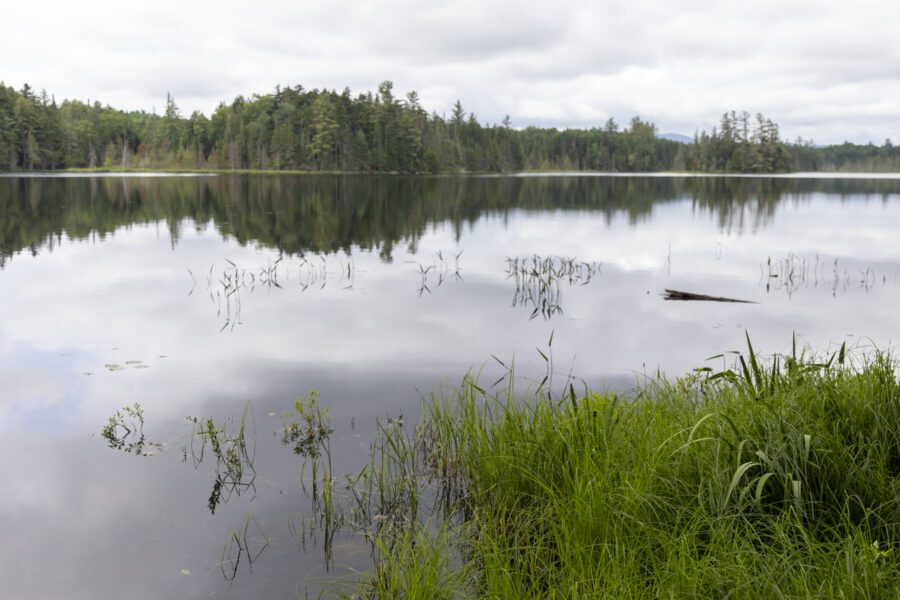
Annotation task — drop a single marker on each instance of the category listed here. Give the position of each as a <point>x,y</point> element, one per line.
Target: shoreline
<point>161,172</point>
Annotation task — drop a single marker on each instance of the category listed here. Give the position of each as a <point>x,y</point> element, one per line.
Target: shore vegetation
<point>772,479</point>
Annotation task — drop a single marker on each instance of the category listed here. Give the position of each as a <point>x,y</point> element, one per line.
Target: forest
<point>293,128</point>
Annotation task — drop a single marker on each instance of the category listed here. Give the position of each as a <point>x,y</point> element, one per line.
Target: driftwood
<point>678,295</point>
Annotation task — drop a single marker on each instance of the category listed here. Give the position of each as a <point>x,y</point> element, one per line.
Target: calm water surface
<point>201,296</point>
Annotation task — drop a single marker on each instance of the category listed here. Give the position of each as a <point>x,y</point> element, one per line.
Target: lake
<point>147,306</point>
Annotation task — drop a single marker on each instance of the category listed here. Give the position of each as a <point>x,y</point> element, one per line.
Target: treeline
<point>294,128</point>
<point>298,129</point>
<point>635,148</point>
<point>846,157</point>
<point>740,145</point>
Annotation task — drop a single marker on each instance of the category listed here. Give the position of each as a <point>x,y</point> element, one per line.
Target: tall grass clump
<point>776,479</point>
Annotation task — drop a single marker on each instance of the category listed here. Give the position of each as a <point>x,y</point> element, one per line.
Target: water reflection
<point>443,267</point>
<point>244,545</point>
<point>332,213</point>
<point>794,272</point>
<point>539,281</point>
<point>227,287</point>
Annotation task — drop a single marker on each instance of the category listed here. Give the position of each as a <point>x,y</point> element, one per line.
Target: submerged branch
<point>679,295</point>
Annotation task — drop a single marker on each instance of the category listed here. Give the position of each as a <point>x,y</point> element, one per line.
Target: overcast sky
<point>824,69</point>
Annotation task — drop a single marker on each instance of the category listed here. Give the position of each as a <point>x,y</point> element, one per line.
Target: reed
<point>776,478</point>
<point>234,449</point>
<point>795,272</point>
<point>539,281</point>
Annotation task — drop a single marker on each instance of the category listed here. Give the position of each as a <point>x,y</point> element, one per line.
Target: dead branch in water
<point>679,295</point>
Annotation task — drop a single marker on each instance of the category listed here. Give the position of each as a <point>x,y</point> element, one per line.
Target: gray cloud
<point>823,69</point>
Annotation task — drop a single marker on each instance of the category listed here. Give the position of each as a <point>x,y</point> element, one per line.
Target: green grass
<point>776,480</point>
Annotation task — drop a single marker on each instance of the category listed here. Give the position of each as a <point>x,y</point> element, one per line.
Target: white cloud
<point>823,69</point>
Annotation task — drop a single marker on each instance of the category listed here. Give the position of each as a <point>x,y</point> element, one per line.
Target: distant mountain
<point>676,137</point>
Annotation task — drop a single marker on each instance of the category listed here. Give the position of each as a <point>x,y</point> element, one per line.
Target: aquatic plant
<point>307,427</point>
<point>539,281</point>
<point>125,431</point>
<point>307,430</point>
<point>439,271</point>
<point>234,470</point>
<point>243,545</point>
<point>226,287</point>
<point>794,272</point>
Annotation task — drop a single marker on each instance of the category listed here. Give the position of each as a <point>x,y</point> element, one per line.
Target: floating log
<point>679,295</point>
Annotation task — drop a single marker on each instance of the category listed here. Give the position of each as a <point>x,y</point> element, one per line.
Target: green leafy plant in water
<point>234,456</point>
<point>307,427</point>
<point>125,429</point>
